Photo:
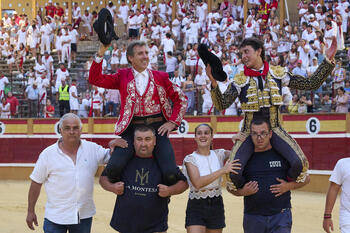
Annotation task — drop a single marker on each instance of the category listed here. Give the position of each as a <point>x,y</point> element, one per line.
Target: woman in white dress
<point>33,35</point>
<point>143,32</point>
<point>123,59</point>
<point>115,58</point>
<point>58,44</point>
<point>153,55</point>
<point>204,169</point>
<point>5,109</point>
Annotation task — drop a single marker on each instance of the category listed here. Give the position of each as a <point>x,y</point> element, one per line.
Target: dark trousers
<point>282,143</point>
<point>83,227</point>
<point>33,108</point>
<point>278,223</point>
<point>163,153</point>
<point>63,107</point>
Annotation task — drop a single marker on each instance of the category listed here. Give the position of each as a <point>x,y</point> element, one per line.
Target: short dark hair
<point>260,121</point>
<point>170,53</point>
<point>342,89</point>
<point>256,44</point>
<point>131,46</point>
<point>144,128</point>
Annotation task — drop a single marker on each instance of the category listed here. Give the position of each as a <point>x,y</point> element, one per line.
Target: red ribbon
<point>252,73</point>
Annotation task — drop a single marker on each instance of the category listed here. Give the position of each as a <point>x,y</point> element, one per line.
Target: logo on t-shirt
<point>142,176</point>
<point>275,164</point>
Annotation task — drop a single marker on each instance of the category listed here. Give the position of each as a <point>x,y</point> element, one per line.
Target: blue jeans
<point>83,227</point>
<point>114,107</point>
<point>278,223</point>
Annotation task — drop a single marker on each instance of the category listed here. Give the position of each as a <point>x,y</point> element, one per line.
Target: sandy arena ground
<point>307,210</point>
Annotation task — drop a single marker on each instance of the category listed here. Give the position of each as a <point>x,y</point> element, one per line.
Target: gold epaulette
<point>278,72</point>
<point>240,80</point>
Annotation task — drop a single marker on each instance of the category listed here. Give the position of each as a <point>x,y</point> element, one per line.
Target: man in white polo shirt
<point>67,169</point>
<point>339,180</point>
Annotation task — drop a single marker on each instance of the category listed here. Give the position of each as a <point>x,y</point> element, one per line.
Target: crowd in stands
<point>173,44</point>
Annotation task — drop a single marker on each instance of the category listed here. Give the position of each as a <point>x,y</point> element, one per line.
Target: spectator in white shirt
<point>76,15</point>
<point>339,180</point>
<point>47,60</point>
<point>177,79</point>
<point>124,13</point>
<point>303,50</point>
<point>168,44</point>
<point>66,40</point>
<point>171,64</point>
<point>3,82</point>
<point>45,31</point>
<point>87,24</point>
<point>84,105</point>
<point>132,25</point>
<point>313,67</point>
<point>67,169</point>
<point>61,73</point>
<point>310,35</point>
<point>74,39</point>
<point>329,33</point>
<point>73,97</point>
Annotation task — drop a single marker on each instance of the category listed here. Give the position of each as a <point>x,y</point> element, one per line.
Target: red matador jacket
<point>155,100</point>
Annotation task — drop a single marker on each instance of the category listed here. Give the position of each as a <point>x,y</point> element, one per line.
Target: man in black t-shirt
<point>142,201</point>
<point>267,190</point>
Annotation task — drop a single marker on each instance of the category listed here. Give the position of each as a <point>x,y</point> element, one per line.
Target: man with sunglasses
<point>267,206</point>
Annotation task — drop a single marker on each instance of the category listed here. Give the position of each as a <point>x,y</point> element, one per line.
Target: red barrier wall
<point>322,153</point>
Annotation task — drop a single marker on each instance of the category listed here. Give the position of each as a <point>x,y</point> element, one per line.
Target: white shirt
<point>6,108</point>
<point>168,45</point>
<point>72,99</point>
<point>22,36</point>
<point>60,75</point>
<point>73,35</point>
<point>287,95</point>
<point>132,21</point>
<point>124,11</point>
<point>141,80</point>
<point>39,69</point>
<point>46,30</point>
<point>76,13</point>
<point>67,40</point>
<point>69,186</point>
<point>201,79</point>
<point>82,112</point>
<point>42,85</point>
<point>206,164</point>
<point>112,10</point>
<point>88,18</point>
<point>3,82</point>
<point>341,176</point>
<point>170,64</point>
<point>178,80</point>
<point>47,62</point>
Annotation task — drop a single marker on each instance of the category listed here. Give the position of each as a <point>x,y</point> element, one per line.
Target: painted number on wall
<point>313,126</point>
<point>2,128</point>
<point>57,128</point>
<point>183,128</point>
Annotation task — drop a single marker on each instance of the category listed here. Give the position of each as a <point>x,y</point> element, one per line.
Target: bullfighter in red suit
<point>145,99</point>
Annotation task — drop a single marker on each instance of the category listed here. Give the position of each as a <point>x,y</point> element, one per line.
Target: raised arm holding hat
<point>145,99</point>
<point>259,88</point>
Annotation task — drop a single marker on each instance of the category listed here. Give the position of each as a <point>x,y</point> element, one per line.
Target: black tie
<point>260,82</point>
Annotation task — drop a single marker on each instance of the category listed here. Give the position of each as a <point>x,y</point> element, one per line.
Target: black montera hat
<point>104,27</point>
<point>214,62</point>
